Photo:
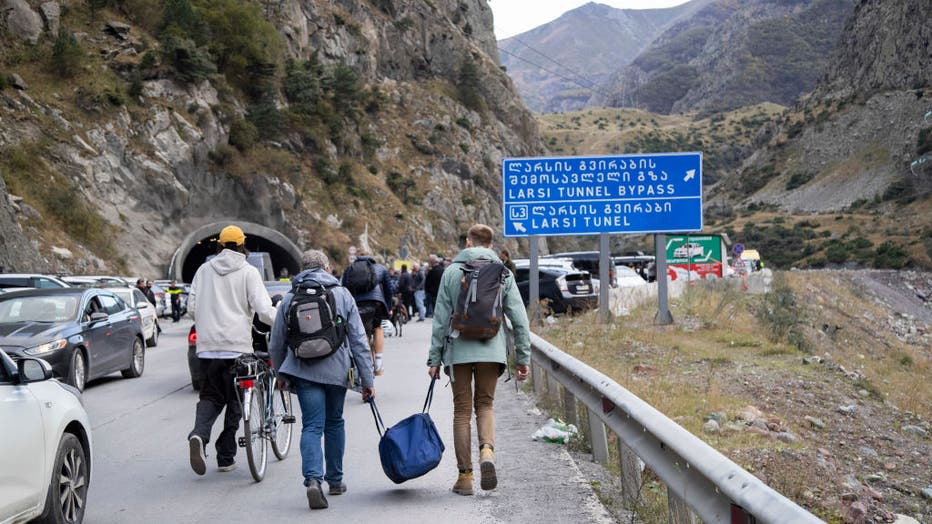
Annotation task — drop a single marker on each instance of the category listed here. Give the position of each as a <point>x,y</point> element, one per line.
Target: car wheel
<point>77,373</point>
<point>67,495</point>
<point>138,363</point>
<point>154,339</point>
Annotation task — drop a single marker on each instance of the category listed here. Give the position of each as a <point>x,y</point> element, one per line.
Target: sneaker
<point>488,479</point>
<point>420,320</point>
<point>337,488</point>
<point>231,466</point>
<point>315,495</point>
<point>198,458</point>
<point>463,484</point>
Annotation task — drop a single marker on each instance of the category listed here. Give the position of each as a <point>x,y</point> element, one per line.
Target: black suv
<point>587,261</point>
<point>566,290</point>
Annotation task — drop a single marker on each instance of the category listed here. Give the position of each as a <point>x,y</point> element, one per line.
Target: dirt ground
<point>841,425</point>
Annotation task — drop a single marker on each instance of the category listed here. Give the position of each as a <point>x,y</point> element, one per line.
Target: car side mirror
<point>33,370</point>
<point>142,305</point>
<point>97,316</point>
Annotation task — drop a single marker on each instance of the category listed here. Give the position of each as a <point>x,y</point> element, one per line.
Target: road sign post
<point>602,195</point>
<point>663,316</point>
<point>605,281</point>
<point>657,193</point>
<point>534,282</point>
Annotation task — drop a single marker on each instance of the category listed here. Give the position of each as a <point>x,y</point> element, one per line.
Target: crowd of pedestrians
<point>227,292</point>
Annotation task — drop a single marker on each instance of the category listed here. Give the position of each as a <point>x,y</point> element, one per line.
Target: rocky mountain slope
<point>557,66</point>
<point>125,124</point>
<point>859,141</point>
<point>731,54</point>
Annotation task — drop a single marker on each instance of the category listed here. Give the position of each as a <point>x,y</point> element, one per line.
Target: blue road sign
<point>737,249</point>
<point>649,193</point>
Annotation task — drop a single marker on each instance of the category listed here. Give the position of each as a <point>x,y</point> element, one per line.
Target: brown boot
<point>463,484</point>
<point>488,480</point>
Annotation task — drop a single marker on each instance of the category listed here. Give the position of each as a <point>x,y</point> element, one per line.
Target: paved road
<point>141,471</point>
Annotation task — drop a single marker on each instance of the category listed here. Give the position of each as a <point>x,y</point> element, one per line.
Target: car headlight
<point>47,347</point>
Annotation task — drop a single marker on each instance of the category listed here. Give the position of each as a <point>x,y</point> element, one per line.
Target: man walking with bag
<point>225,293</point>
<point>472,350</point>
<point>313,349</point>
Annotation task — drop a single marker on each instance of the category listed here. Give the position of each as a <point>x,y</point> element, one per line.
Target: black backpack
<point>360,277</point>
<point>315,329</point>
<point>478,314</point>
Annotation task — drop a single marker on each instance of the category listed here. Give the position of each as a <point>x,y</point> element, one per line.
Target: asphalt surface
<point>141,471</point>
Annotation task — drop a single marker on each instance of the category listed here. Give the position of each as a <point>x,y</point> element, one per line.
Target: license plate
<point>582,289</point>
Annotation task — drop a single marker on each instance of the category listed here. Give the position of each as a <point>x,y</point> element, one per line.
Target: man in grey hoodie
<point>321,384</point>
<point>225,292</point>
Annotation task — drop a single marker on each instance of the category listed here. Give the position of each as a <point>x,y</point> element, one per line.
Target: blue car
<point>83,333</point>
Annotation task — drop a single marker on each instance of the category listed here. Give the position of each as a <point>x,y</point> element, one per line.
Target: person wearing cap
<point>225,294</point>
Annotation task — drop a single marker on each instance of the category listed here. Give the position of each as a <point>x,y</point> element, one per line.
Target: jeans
<point>485,375</point>
<point>218,392</point>
<point>321,415</point>
<point>419,303</point>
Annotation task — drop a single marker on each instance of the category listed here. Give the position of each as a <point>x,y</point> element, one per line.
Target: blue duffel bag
<point>411,447</point>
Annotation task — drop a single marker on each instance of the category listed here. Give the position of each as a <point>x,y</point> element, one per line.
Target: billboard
<point>695,256</point>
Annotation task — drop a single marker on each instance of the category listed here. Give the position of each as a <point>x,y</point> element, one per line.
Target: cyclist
<point>225,293</point>
<point>321,384</point>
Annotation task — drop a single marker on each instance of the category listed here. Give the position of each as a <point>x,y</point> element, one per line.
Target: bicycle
<point>267,414</point>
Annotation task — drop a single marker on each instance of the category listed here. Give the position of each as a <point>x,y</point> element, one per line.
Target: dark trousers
<point>176,310</point>
<point>218,392</point>
<point>429,301</point>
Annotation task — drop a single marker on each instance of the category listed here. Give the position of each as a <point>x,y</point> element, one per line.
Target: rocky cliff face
<point>150,153</point>
<point>732,54</point>
<point>559,66</point>
<point>860,139</point>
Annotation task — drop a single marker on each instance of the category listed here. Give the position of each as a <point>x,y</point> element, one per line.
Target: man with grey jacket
<point>225,292</point>
<point>321,384</point>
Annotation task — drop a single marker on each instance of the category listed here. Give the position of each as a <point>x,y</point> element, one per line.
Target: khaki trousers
<point>484,376</point>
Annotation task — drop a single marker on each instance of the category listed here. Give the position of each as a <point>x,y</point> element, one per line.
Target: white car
<point>150,317</point>
<point>46,452</point>
<point>628,277</point>
<point>688,250</point>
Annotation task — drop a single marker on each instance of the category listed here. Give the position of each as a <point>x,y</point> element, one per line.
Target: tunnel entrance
<point>202,243</point>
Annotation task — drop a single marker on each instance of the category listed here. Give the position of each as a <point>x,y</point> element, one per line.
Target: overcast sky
<point>514,17</point>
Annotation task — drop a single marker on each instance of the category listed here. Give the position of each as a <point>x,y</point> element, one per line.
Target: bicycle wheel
<point>253,422</point>
<point>281,423</point>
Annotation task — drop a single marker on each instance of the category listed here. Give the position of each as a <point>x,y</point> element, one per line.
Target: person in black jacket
<point>432,283</point>
<point>406,288</point>
<point>373,308</point>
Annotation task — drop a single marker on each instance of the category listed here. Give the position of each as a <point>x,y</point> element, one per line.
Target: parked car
<point>16,280</point>
<point>161,301</point>
<point>586,261</point>
<point>628,277</point>
<point>46,436</point>
<point>95,281</point>
<point>566,290</point>
<point>84,333</point>
<point>260,333</point>
<point>150,321</point>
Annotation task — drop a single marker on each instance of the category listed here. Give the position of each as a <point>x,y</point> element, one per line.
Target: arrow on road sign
<point>691,174</point>
<point>519,227</point>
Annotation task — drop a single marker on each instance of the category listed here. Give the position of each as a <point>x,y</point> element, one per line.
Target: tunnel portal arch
<point>202,242</point>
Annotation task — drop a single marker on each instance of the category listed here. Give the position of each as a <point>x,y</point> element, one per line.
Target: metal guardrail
<point>700,481</point>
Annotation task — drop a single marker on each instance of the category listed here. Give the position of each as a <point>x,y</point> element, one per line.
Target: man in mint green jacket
<point>475,365</point>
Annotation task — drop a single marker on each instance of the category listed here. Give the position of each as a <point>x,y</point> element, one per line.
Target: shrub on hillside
<point>190,62</point>
<point>243,134</point>
<point>781,315</point>
<point>67,55</point>
<point>890,255</point>
<point>469,86</point>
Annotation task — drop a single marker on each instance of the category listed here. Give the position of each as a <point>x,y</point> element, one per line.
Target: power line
<point>564,77</point>
<point>555,61</point>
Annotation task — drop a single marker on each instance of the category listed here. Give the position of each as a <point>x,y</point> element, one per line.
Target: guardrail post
<point>569,408</point>
<point>678,511</point>
<point>630,473</point>
<point>598,438</point>
<point>537,377</point>
<point>553,388</point>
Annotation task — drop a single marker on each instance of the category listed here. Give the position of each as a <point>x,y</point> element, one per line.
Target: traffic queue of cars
<point>57,334</point>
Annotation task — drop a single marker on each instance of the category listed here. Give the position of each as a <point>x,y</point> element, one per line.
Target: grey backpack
<point>478,313</point>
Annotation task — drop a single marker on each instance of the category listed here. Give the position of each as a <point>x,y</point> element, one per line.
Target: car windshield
<point>125,294</point>
<point>45,308</point>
